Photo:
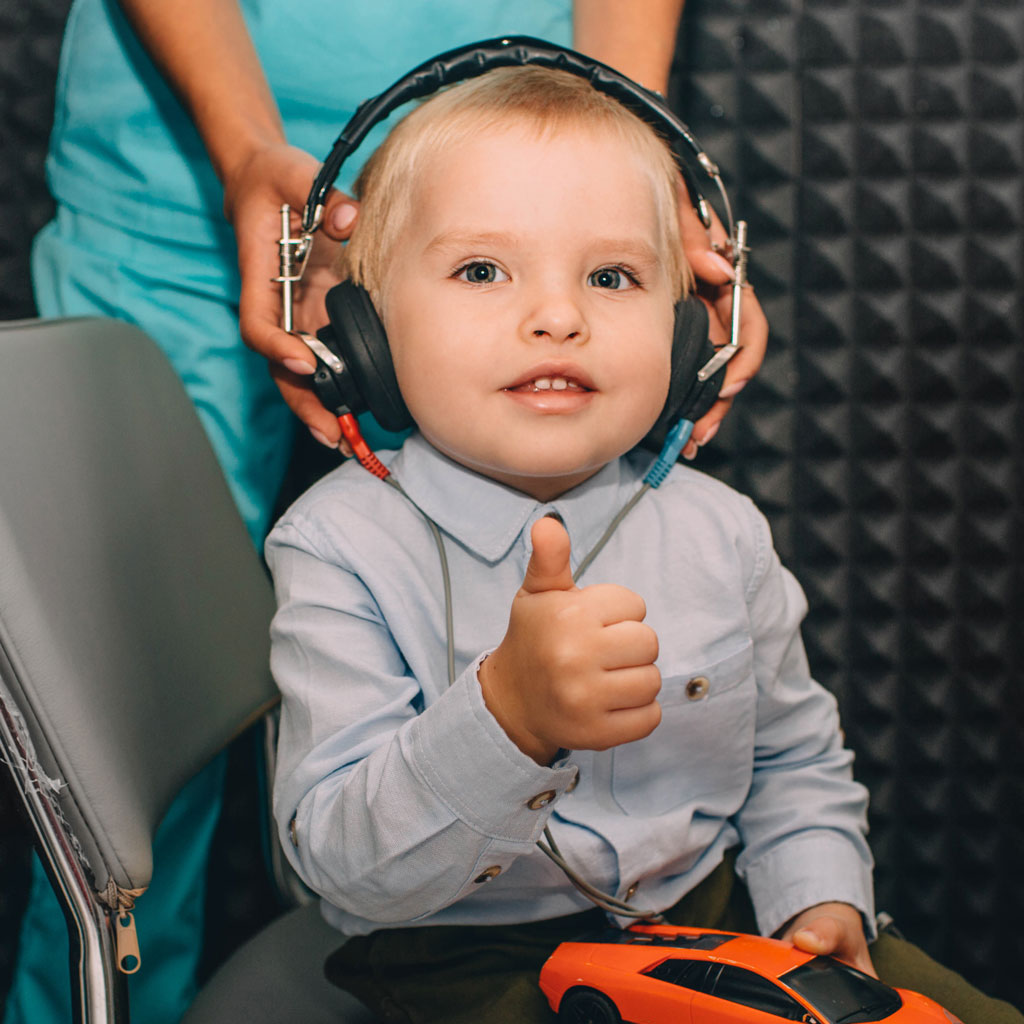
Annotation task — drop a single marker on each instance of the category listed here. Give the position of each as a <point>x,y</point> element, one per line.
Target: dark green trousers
<point>465,975</point>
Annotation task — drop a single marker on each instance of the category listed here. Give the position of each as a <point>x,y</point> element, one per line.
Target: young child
<point>518,235</point>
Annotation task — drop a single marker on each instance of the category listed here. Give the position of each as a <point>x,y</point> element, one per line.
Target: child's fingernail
<point>690,451</point>
<point>343,217</point>
<point>733,389</point>
<point>723,264</point>
<point>322,439</point>
<point>712,430</point>
<point>298,366</point>
<point>809,938</point>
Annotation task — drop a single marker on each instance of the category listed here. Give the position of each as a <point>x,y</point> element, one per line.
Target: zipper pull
<point>127,942</point>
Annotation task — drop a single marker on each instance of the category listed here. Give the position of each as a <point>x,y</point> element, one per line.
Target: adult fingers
<point>742,368</point>
<point>306,406</point>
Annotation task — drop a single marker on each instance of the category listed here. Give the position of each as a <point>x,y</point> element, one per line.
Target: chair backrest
<point>133,606</point>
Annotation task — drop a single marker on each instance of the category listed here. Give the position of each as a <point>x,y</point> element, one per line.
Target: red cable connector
<point>351,432</point>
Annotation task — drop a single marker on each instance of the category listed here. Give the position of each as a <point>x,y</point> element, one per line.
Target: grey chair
<point>133,648</point>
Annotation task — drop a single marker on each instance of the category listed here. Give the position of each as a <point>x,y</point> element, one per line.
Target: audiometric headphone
<point>355,372</point>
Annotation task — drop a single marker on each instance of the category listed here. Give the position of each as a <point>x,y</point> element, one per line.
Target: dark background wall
<point>876,149</point>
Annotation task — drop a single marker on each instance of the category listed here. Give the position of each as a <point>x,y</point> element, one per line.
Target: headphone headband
<point>475,59</point>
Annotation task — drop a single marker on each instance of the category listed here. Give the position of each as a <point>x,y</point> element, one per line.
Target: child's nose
<point>555,316</point>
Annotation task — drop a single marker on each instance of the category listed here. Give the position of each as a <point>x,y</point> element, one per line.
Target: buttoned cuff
<point>486,781</point>
<point>817,867</point>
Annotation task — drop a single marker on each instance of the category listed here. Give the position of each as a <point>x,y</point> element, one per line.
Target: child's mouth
<point>549,384</point>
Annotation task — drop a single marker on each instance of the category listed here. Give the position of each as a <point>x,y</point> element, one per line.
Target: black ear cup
<point>355,334</point>
<point>688,397</point>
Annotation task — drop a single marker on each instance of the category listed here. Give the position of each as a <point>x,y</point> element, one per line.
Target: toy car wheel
<point>585,1006</point>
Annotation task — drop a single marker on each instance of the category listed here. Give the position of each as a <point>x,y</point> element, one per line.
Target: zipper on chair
<point>127,942</point>
<point>121,903</point>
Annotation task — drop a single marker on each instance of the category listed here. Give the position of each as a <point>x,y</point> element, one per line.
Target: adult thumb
<point>549,563</point>
<point>340,212</point>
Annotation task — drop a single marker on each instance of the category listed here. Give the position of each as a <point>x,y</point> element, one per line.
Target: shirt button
<point>541,800</point>
<point>697,688</point>
<point>486,876</point>
<point>575,782</point>
<point>293,832</point>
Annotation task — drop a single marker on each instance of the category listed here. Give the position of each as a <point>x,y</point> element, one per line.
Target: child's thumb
<point>549,563</point>
<point>821,936</point>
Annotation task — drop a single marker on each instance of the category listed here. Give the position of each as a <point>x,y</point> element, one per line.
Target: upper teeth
<point>550,384</point>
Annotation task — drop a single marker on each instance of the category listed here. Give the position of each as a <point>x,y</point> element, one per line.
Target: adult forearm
<point>638,38</point>
<point>203,49</point>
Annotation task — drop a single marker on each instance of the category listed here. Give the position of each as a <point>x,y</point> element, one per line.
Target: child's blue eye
<point>612,278</point>
<point>480,272</point>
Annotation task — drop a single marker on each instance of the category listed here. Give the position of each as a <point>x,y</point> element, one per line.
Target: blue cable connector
<point>674,444</point>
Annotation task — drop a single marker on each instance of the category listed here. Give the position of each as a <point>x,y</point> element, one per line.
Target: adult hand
<point>831,929</point>
<point>254,192</point>
<point>714,276</point>
<point>576,667</point>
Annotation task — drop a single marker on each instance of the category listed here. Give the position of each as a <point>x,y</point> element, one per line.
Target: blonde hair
<point>550,100</point>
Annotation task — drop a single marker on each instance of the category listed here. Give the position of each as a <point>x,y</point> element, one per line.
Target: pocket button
<point>697,688</point>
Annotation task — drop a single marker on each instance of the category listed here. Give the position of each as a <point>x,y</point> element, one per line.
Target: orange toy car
<point>661,974</point>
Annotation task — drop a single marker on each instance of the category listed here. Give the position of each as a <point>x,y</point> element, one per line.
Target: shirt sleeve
<point>381,802</point>
<point>804,823</point>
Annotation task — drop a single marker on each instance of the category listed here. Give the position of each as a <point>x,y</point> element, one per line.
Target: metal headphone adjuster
<point>739,253</point>
<point>292,257</point>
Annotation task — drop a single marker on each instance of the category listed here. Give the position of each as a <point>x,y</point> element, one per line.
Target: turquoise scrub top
<point>124,150</point>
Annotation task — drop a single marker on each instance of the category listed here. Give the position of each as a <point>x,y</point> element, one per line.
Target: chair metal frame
<point>101,992</point>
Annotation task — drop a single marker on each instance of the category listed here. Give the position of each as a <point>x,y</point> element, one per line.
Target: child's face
<point>528,305</point>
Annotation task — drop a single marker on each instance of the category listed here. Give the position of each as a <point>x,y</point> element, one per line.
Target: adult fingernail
<point>343,217</point>
<point>723,264</point>
<point>322,439</point>
<point>712,430</point>
<point>730,390</point>
<point>299,366</point>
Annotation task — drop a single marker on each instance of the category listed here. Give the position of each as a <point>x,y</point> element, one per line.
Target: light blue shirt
<point>402,801</point>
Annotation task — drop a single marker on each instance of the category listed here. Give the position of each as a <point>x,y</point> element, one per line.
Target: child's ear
<point>688,398</point>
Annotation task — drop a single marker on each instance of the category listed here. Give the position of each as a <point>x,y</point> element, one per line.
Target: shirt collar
<point>486,516</point>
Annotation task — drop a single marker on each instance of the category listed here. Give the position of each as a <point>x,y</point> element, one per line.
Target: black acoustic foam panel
<point>876,149</point>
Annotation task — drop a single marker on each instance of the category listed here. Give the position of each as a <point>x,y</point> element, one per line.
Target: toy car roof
<point>633,949</point>
<point>675,938</point>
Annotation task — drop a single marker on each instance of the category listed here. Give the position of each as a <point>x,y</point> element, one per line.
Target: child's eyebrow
<point>634,249</point>
<point>470,240</point>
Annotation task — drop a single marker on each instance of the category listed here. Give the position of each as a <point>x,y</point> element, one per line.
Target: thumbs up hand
<point>576,667</point>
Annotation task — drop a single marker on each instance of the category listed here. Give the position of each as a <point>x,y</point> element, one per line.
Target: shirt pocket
<point>704,744</point>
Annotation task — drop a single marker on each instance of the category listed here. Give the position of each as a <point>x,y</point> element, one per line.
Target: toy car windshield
<point>842,994</point>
